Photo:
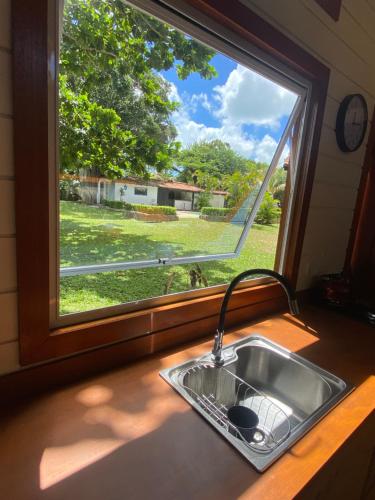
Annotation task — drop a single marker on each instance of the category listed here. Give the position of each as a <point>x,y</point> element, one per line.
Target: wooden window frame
<point>186,319</point>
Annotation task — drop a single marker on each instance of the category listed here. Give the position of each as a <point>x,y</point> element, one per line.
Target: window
<point>193,115</point>
<point>98,251</point>
<point>140,191</point>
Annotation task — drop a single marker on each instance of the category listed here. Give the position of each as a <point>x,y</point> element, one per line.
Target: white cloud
<point>173,93</point>
<point>190,131</point>
<point>201,99</point>
<point>249,98</point>
<point>245,98</point>
<point>266,149</point>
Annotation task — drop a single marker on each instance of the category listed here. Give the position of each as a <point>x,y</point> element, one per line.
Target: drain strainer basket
<point>216,390</point>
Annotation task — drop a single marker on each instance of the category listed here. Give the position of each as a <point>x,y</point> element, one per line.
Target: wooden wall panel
<point>5,34</point>
<point>332,170</point>
<point>8,282</point>
<point>8,317</point>
<point>331,7</point>
<point>362,14</point>
<point>5,83</point>
<point>301,24</point>
<point>6,148</point>
<point>7,216</point>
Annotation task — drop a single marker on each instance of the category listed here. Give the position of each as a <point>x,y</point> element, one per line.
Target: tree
<point>115,108</point>
<point>269,212</point>
<point>239,185</point>
<point>212,158</point>
<point>215,165</point>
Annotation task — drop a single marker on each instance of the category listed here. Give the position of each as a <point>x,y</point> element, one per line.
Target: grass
<point>91,235</point>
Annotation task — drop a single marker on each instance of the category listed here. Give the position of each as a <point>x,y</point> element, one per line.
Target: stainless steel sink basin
<point>285,393</point>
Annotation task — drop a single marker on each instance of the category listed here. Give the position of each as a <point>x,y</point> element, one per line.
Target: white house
<point>181,195</point>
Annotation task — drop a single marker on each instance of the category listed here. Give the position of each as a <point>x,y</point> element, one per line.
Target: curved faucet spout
<point>290,292</point>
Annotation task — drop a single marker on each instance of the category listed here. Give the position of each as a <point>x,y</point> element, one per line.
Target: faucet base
<point>218,361</point>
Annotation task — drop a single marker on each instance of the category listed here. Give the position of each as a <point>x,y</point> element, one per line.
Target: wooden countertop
<point>127,434</point>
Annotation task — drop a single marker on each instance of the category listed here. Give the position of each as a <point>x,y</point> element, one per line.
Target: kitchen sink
<point>262,399</point>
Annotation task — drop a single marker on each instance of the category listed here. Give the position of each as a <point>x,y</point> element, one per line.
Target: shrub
<point>215,212</point>
<point>113,204</point>
<point>268,212</point>
<point>203,200</point>
<point>152,209</point>
<point>146,209</point>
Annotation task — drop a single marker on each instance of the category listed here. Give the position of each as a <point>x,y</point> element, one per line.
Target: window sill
<point>170,325</point>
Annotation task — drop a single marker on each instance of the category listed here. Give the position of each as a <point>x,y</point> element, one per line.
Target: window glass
<point>172,157</point>
<point>140,191</point>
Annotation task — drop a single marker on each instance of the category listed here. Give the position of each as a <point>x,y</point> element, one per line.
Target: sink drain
<point>258,436</point>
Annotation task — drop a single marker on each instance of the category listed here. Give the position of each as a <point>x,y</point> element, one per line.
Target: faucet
<point>217,353</point>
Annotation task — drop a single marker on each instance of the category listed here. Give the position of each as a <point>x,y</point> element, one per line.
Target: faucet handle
<point>217,349</point>
<point>218,341</point>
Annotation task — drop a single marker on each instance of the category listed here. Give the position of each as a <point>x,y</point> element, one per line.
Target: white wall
<point>130,196</point>
<point>347,48</point>
<point>217,201</point>
<point>182,204</point>
<point>8,285</point>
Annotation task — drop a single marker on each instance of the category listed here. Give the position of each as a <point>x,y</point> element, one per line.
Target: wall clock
<point>351,123</point>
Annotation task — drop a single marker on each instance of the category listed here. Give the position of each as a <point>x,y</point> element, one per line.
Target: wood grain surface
<point>128,435</point>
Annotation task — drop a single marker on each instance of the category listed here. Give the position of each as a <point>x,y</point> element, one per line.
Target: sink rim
<point>261,461</point>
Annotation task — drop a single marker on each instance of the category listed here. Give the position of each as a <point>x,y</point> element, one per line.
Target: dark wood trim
<point>361,240</point>
<point>242,20</point>
<point>30,92</point>
<point>38,341</point>
<point>38,379</point>
<point>55,373</point>
<point>332,7</point>
<point>125,327</point>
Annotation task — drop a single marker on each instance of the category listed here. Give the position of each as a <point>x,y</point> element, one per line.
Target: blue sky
<point>238,106</point>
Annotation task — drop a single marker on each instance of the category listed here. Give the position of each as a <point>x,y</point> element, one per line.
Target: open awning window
<point>171,130</point>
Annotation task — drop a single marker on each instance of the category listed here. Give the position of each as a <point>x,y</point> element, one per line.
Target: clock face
<point>351,123</point>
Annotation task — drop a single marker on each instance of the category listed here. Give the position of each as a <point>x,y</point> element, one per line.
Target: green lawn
<point>92,235</point>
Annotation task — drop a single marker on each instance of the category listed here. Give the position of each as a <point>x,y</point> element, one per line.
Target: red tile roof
<point>178,186</point>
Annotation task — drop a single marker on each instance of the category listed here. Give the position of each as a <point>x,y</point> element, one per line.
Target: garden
<point>97,235</point>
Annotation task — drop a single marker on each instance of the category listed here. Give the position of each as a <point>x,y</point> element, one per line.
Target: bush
<point>135,207</point>
<point>215,212</point>
<point>203,200</point>
<point>151,209</point>
<point>113,204</point>
<point>269,212</point>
